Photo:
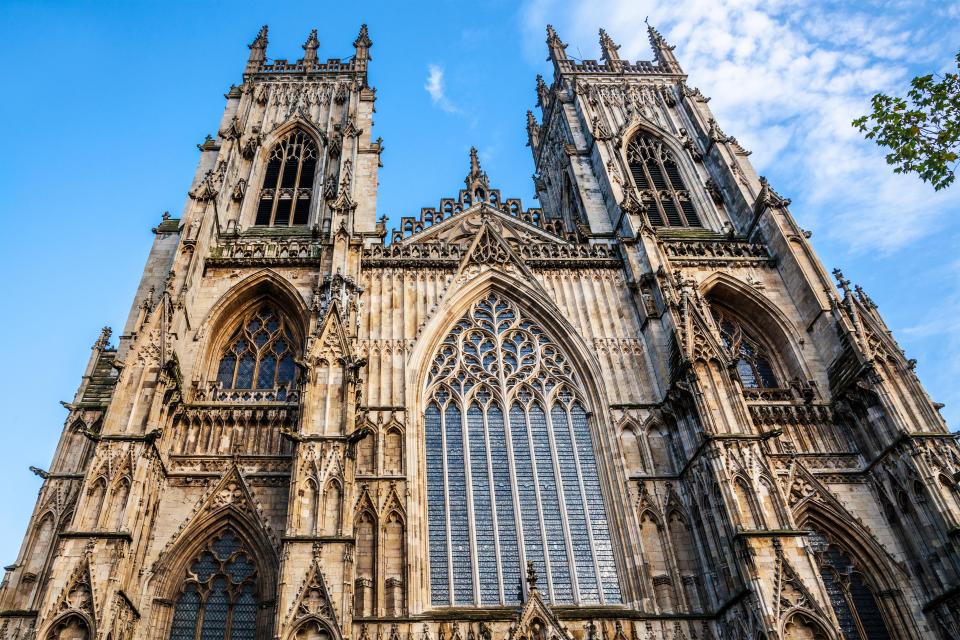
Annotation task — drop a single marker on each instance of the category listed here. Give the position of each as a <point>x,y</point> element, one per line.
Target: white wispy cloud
<point>436,89</point>
<point>787,78</point>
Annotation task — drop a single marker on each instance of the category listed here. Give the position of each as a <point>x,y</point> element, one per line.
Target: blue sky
<point>103,104</point>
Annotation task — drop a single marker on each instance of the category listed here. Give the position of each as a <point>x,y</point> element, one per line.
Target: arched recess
<point>630,441</point>
<point>393,451</point>
<point>661,448</point>
<point>873,562</point>
<point>73,625</point>
<point>768,322</point>
<point>96,497</point>
<point>36,556</point>
<point>365,584</point>
<point>394,563</point>
<point>332,507</point>
<point>308,512</point>
<point>265,286</point>
<point>175,564</point>
<point>538,308</point>
<point>685,555</point>
<point>367,453</point>
<point>248,211</point>
<point>803,625</point>
<point>703,206</point>
<point>119,495</point>
<point>313,628</point>
<point>658,564</point>
<point>746,506</point>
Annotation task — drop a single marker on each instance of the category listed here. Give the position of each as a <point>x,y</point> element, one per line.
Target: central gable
<point>462,228</point>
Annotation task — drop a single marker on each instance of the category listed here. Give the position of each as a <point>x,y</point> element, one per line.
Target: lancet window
<point>663,193</point>
<point>288,182</point>
<point>511,470</point>
<point>219,598</point>
<point>259,354</point>
<point>753,364</point>
<point>852,599</point>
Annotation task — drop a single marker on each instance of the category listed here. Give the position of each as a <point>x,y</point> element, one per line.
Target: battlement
<point>309,65</point>
<point>640,67</point>
<point>332,65</point>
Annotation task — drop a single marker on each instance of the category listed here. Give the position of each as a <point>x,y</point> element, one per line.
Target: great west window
<point>511,470</point>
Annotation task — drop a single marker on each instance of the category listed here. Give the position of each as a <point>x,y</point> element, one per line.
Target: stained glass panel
<point>546,467</point>
<point>259,354</point>
<point>185,615</point>
<point>457,499</point>
<point>220,590</point>
<point>436,510</point>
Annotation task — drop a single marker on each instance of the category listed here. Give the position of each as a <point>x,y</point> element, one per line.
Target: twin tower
<point>641,411</point>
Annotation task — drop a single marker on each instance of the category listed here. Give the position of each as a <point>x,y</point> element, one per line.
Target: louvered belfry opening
<point>663,193</point>
<point>288,182</point>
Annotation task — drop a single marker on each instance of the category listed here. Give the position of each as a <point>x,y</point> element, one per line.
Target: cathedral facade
<point>642,411</point>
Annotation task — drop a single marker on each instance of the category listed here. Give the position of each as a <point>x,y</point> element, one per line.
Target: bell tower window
<point>288,182</point>
<point>260,353</point>
<point>218,600</point>
<point>753,364</point>
<point>663,193</point>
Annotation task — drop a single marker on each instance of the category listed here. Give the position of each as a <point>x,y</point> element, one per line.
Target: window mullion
<point>664,221</point>
<point>202,609</point>
<point>228,627</point>
<point>276,189</point>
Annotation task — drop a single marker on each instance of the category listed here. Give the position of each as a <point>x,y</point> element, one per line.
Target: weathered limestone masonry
<point>643,411</point>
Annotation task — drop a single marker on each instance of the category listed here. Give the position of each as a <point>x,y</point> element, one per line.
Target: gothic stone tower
<point>643,411</point>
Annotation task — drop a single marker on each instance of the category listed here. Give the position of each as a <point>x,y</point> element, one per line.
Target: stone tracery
<point>521,402</point>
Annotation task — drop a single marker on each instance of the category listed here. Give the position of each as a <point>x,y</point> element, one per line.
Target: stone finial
<point>477,176</point>
<point>258,50</point>
<point>543,92</point>
<point>662,50</point>
<point>310,48</point>
<point>104,340</point>
<point>864,298</point>
<point>609,49</point>
<point>260,42</point>
<point>362,44</point>
<point>533,131</point>
<point>842,282</point>
<point>531,576</point>
<point>555,45</point>
<point>166,215</point>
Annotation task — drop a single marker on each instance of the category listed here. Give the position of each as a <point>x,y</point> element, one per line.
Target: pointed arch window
<point>260,354</point>
<point>511,471</point>
<point>752,361</point>
<point>288,182</point>
<point>851,597</point>
<point>663,193</point>
<point>219,599</point>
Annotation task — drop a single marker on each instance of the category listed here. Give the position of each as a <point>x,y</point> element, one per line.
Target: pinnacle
<point>312,41</point>
<point>476,175</point>
<point>363,38</point>
<point>261,39</point>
